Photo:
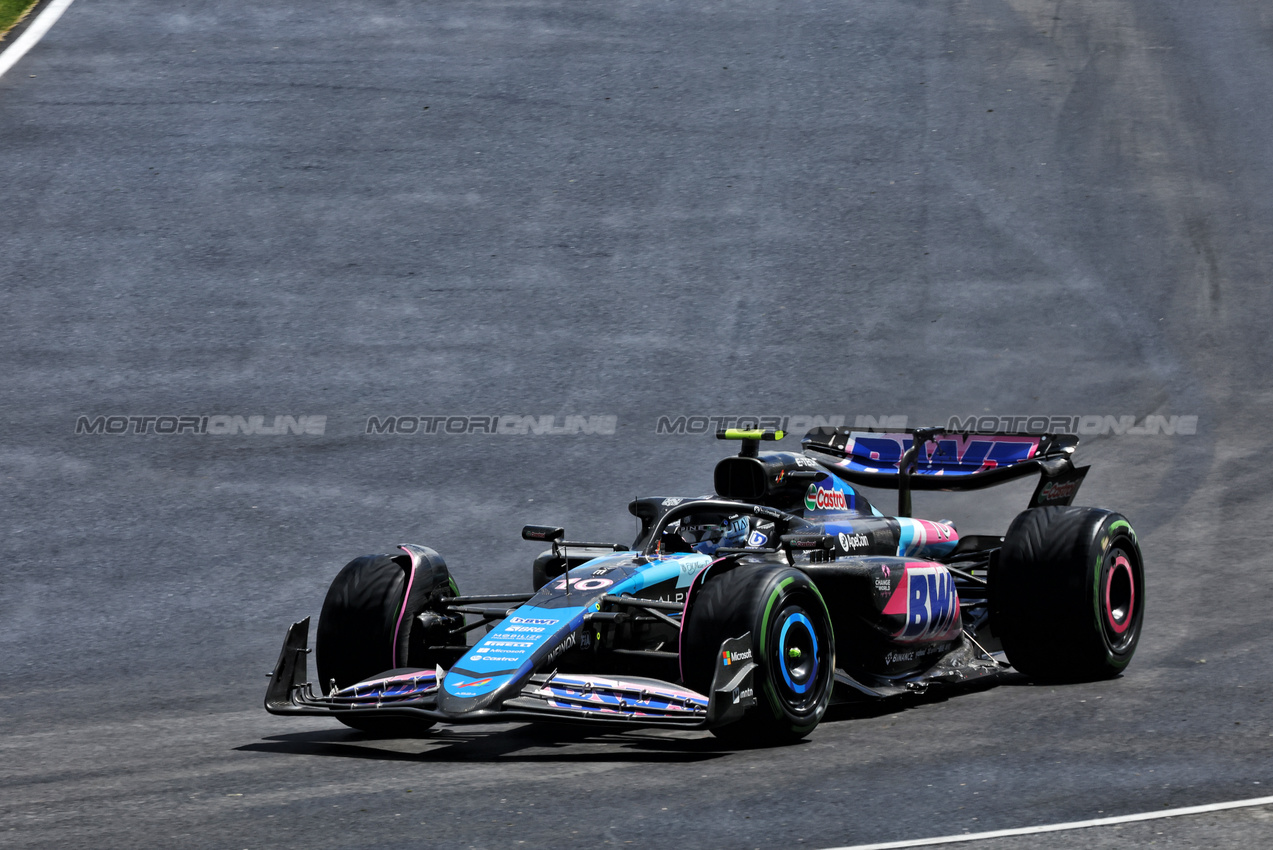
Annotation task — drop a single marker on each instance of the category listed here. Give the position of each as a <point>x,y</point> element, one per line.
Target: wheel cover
<point>798,648</point>
<point>1119,604</point>
<point>796,656</point>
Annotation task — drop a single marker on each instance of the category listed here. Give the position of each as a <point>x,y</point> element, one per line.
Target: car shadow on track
<point>867,707</point>
<point>533,743</point>
<point>552,742</point>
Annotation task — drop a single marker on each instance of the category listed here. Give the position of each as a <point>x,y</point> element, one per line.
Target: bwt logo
<point>932,604</point>
<point>956,451</point>
<point>212,424</point>
<point>506,424</point>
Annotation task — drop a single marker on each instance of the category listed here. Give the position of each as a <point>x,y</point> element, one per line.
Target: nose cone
<point>463,691</point>
<point>499,664</point>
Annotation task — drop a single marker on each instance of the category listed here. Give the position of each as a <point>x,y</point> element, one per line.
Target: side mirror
<point>543,532</point>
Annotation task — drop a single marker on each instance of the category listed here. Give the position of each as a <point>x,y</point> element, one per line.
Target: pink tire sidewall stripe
<point>393,649</point>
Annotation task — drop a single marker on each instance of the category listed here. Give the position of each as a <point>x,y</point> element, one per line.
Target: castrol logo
<point>818,499</point>
<point>1054,492</point>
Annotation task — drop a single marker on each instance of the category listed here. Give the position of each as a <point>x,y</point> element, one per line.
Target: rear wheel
<point>1067,593</point>
<point>792,645</point>
<point>366,625</point>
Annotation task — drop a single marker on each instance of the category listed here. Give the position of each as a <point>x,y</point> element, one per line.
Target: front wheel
<point>793,647</point>
<point>367,623</point>
<point>1067,593</point>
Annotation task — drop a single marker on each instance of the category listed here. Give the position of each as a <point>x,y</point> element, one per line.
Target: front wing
<point>587,698</point>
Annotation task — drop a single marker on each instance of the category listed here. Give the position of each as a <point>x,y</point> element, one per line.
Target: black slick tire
<point>1067,593</point>
<point>792,644</point>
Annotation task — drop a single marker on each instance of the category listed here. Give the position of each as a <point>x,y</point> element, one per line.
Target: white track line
<point>31,37</point>
<point>1061,827</point>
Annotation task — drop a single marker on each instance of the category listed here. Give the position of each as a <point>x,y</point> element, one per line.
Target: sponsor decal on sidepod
<point>927,596</point>
<point>853,541</point>
<point>819,499</point>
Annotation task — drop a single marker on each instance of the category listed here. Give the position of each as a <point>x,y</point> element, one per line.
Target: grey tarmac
<point>632,209</point>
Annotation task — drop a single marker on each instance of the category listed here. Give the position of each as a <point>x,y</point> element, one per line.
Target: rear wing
<point>938,459</point>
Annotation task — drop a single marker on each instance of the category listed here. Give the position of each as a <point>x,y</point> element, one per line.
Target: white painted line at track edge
<point>1062,827</point>
<point>31,36</point>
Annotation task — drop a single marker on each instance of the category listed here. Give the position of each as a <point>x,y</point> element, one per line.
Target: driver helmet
<point>731,534</point>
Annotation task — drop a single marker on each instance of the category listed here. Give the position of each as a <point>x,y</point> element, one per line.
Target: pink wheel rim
<point>1120,567</point>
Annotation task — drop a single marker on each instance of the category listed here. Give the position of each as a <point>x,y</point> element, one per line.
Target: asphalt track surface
<point>630,209</point>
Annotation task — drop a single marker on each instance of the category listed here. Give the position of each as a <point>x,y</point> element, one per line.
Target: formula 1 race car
<point>747,612</point>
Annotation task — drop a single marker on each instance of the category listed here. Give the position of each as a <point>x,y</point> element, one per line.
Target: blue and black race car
<point>747,612</point>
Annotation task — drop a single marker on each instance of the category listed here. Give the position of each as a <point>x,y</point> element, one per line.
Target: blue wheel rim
<point>802,620</point>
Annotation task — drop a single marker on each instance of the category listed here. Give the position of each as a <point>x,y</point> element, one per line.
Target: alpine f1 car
<point>749,611</point>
